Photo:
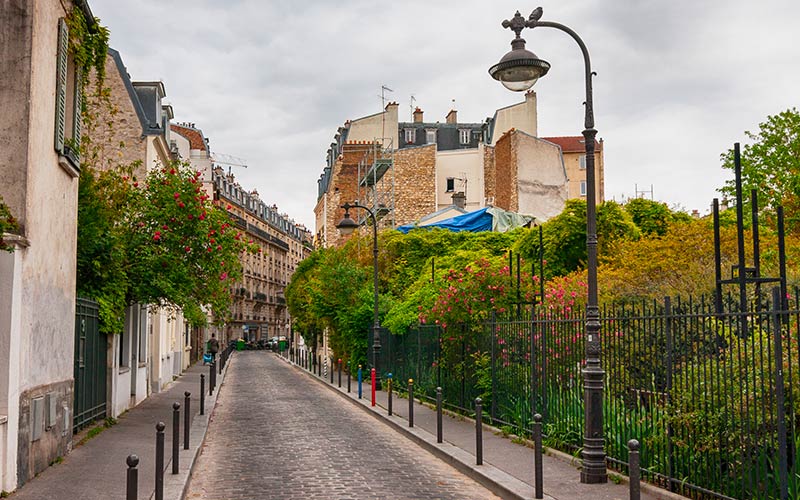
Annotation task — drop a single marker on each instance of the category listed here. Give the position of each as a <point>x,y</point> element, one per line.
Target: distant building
<point>405,170</point>
<point>259,305</point>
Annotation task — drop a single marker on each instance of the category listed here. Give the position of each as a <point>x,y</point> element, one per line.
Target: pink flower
<point>181,204</point>
<point>157,235</point>
<point>223,276</point>
<point>177,195</point>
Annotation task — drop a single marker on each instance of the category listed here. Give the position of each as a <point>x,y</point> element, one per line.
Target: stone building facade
<point>259,305</point>
<point>424,167</point>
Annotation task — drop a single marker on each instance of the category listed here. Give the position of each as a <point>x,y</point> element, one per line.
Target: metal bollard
<point>132,484</point>
<point>438,414</point>
<point>634,473</point>
<point>186,419</point>
<point>330,369</point>
<point>176,436</point>
<point>211,379</point>
<point>359,381</point>
<point>478,431</point>
<point>340,373</point>
<point>537,456</point>
<point>214,375</point>
<point>349,375</point>
<point>411,402</point>
<point>221,363</point>
<point>372,385</point>
<point>319,365</point>
<point>389,378</point>
<point>202,394</point>
<point>160,460</point>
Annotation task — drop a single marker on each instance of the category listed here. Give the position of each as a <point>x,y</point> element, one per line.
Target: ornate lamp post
<point>347,226</point>
<point>519,70</point>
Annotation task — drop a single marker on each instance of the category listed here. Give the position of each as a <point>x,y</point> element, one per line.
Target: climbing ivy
<point>8,224</point>
<point>88,46</point>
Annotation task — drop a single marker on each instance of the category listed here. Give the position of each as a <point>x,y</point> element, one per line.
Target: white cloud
<point>271,81</point>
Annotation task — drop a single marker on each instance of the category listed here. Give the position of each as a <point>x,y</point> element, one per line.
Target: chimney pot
<point>460,199</point>
<point>452,116</point>
<point>417,115</point>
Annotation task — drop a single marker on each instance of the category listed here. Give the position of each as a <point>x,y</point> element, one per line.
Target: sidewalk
<point>97,469</point>
<point>508,467</point>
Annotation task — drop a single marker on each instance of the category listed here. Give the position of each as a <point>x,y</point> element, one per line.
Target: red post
<point>372,374</point>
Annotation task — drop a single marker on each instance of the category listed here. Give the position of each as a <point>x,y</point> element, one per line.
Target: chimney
<point>460,199</point>
<point>390,105</point>
<point>452,116</point>
<point>417,115</point>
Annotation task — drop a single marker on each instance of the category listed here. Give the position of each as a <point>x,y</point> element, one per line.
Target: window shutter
<point>77,114</point>
<point>61,84</point>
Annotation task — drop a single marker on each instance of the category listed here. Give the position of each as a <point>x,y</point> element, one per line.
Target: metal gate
<point>90,365</point>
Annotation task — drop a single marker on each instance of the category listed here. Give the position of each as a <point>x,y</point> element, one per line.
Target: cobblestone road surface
<point>278,435</point>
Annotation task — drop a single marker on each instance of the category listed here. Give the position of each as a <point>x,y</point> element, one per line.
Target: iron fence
<point>710,396</point>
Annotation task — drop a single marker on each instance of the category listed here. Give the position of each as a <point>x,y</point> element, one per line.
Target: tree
<point>653,217</point>
<point>771,165</point>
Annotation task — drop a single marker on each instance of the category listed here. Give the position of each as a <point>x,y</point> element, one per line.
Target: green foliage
<point>564,236</point>
<point>88,46</point>
<point>161,243</point>
<point>652,217</point>
<point>771,165</point>
<point>8,224</point>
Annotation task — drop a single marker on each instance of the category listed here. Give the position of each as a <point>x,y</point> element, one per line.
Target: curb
<point>495,480</point>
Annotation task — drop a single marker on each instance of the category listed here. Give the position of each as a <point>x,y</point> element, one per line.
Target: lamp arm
<point>589,117</point>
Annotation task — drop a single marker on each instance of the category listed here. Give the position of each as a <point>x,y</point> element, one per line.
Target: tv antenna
<point>411,105</point>
<point>229,160</point>
<point>384,89</point>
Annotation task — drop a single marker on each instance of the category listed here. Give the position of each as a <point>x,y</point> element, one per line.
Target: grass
<point>94,431</point>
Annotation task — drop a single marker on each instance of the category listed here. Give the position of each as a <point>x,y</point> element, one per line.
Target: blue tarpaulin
<point>479,220</point>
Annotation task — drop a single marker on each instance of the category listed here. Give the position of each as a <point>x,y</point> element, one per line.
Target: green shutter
<point>61,84</point>
<point>77,114</point>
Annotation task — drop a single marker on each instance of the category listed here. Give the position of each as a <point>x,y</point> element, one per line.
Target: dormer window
<point>430,136</point>
<point>464,136</point>
<point>411,135</point>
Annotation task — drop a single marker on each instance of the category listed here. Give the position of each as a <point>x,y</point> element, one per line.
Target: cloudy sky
<point>271,80</point>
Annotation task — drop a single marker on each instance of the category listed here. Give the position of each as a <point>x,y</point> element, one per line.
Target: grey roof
<point>150,94</point>
<point>447,135</point>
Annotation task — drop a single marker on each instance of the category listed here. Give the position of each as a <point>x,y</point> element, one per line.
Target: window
<point>583,188</point>
<point>582,162</point>
<point>464,136</point>
<point>68,104</point>
<point>430,136</point>
<point>451,185</point>
<point>411,135</point>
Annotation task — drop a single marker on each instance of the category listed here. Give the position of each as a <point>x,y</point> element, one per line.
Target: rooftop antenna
<point>384,89</point>
<point>640,193</point>
<point>230,161</point>
<point>411,106</point>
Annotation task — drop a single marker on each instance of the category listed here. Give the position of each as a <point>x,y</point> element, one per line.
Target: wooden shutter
<point>61,84</point>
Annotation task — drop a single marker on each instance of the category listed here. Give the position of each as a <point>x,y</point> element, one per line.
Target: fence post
<point>411,402</point>
<point>202,394</point>
<point>438,414</point>
<point>537,456</point>
<point>372,385</point>
<point>176,436</point>
<point>340,373</point>
<point>389,377</point>
<point>633,469</point>
<point>160,460</point>
<point>478,431</point>
<point>359,381</point>
<point>783,479</point>
<point>132,484</point>
<point>493,337</point>
<point>186,419</point>
<point>668,369</point>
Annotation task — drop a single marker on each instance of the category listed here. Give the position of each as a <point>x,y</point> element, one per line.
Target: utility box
<point>37,418</point>
<point>50,402</point>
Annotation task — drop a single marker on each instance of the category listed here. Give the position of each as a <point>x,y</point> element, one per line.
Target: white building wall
<point>541,178</point>
<point>466,167</point>
<point>521,116</point>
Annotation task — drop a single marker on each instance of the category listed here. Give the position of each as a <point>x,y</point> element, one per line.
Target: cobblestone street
<point>276,435</point>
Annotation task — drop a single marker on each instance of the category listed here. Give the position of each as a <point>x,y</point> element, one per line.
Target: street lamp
<point>346,226</point>
<point>519,70</point>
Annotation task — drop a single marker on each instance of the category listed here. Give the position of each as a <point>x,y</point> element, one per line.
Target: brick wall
<point>489,173</point>
<point>505,172</point>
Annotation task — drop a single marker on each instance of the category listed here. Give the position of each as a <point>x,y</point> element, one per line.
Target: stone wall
<point>415,183</point>
<point>505,172</point>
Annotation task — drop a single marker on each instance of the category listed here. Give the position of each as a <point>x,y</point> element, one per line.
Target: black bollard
<point>202,394</point>
<point>330,369</point>
<point>132,484</point>
<point>160,460</point>
<point>634,473</point>
<point>349,375</point>
<point>438,414</point>
<point>389,408</point>
<point>176,435</point>
<point>537,456</point>
<point>211,379</point>
<point>186,419</point>
<point>340,373</point>
<point>411,402</point>
<point>478,432</point>
<point>221,362</point>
